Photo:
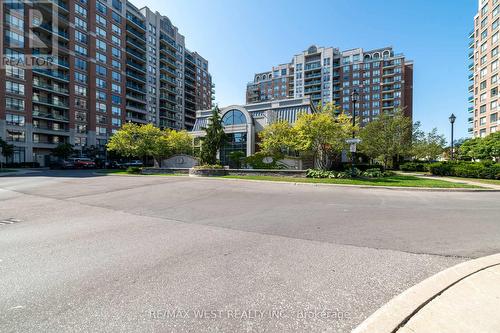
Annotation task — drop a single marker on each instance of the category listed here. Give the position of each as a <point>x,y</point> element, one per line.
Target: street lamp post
<point>452,121</point>
<point>354,99</point>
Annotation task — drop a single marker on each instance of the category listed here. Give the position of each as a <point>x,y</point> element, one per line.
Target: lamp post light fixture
<point>354,141</point>
<point>452,119</point>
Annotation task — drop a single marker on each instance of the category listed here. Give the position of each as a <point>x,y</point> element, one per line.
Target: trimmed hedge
<point>486,170</point>
<point>414,166</point>
<point>369,173</point>
<point>23,165</point>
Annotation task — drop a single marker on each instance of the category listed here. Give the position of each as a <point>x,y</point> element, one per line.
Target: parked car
<point>62,164</point>
<point>134,163</point>
<point>83,163</point>
<point>124,165</point>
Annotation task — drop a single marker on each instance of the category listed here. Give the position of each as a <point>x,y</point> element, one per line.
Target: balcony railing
<point>45,115</point>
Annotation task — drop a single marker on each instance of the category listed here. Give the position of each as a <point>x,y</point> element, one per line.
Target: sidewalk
<point>462,299</point>
<point>470,182</point>
<point>471,305</point>
<point>453,180</point>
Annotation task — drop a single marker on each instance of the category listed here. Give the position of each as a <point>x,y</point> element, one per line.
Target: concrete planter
<point>154,171</point>
<point>195,172</point>
<point>267,172</point>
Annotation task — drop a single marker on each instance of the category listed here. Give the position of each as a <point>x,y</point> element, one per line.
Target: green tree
<point>143,141</point>
<point>237,157</point>
<point>91,151</point>
<point>6,149</point>
<point>63,150</point>
<point>278,137</point>
<point>485,149</point>
<point>427,146</point>
<point>387,137</point>
<point>322,134</point>
<point>172,142</point>
<point>125,141</point>
<point>213,140</point>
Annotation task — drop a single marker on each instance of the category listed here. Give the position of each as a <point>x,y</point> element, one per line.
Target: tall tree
<point>125,141</point>
<point>149,141</point>
<point>322,134</point>
<point>387,137</point>
<point>213,140</point>
<point>63,150</point>
<point>278,137</point>
<point>427,146</point>
<point>6,149</point>
<point>487,148</point>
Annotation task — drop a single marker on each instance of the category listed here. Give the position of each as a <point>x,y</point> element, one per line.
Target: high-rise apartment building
<point>483,80</point>
<point>383,79</point>
<point>73,71</point>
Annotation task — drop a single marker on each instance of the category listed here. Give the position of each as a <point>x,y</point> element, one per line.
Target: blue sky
<point>242,37</point>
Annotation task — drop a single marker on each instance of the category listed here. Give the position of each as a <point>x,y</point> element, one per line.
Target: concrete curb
<point>398,311</point>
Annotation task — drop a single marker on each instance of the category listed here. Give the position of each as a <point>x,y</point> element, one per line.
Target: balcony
<point>49,129</point>
<point>164,77</point>
<point>131,74</point>
<point>135,87</point>
<point>137,66</point>
<point>52,74</point>
<point>471,55</point>
<point>136,21</point>
<point>313,82</point>
<point>471,45</point>
<point>49,116</point>
<point>137,55</point>
<point>60,33</point>
<point>470,119</point>
<point>49,102</point>
<point>470,109</point>
<point>471,99</point>
<point>133,42</point>
<point>471,77</point>
<point>312,66</point>
<point>471,66</point>
<point>48,87</point>
<point>136,33</point>
<point>312,90</point>
<point>313,75</point>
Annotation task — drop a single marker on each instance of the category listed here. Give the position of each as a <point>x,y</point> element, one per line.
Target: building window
<point>14,88</point>
<point>18,136</point>
<point>234,117</point>
<point>14,119</point>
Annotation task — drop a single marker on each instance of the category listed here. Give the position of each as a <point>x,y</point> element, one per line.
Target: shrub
<point>369,173</point>
<point>414,166</point>
<point>134,170</point>
<point>363,167</point>
<point>314,173</point>
<point>372,173</point>
<point>488,170</point>
<point>209,166</point>
<point>344,174</point>
<point>256,161</point>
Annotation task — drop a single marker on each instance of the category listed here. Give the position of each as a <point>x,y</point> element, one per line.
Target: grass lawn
<point>6,170</point>
<point>397,180</point>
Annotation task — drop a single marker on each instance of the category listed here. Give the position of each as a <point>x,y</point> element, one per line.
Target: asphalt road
<point>88,253</point>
